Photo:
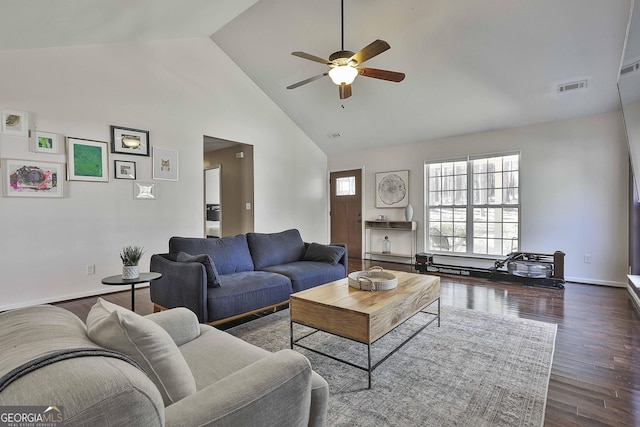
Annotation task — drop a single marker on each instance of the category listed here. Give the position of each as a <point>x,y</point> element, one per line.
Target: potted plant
<point>130,256</point>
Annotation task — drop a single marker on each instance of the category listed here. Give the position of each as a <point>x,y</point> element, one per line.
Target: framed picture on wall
<point>87,160</point>
<point>15,123</point>
<point>165,164</point>
<point>392,189</point>
<point>129,141</point>
<point>124,169</point>
<point>45,142</point>
<point>26,178</point>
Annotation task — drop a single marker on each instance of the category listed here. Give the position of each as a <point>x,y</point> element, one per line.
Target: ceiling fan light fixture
<point>343,74</point>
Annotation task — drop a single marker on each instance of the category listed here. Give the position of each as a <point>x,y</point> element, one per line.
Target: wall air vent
<point>630,68</point>
<point>568,87</point>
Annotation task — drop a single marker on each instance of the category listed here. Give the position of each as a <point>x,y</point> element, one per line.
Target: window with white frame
<point>473,205</point>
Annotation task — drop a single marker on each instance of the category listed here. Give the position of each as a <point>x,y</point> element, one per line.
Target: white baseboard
<point>596,282</point>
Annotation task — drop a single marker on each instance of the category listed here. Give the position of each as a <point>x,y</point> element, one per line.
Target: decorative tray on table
<point>374,279</point>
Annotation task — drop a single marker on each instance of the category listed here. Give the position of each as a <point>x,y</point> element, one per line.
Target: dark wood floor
<point>595,377</point>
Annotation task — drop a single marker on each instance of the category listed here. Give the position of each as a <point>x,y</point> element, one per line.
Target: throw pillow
<point>213,281</point>
<point>116,328</point>
<point>324,253</point>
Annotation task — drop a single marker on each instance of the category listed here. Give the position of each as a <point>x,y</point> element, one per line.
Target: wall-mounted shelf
<point>391,227</point>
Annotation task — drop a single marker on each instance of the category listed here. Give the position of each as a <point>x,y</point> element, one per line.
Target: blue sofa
<point>234,276</point>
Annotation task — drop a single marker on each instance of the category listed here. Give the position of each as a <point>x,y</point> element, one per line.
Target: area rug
<point>477,369</point>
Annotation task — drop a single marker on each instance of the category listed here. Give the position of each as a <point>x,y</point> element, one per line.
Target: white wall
<point>574,180</point>
<point>178,90</point>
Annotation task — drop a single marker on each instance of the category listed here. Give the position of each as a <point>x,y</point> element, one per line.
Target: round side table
<point>118,280</point>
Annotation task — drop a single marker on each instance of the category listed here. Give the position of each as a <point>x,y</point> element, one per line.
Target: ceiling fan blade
<point>391,76</point>
<point>305,81</point>
<point>368,52</point>
<point>310,57</point>
<point>345,91</point>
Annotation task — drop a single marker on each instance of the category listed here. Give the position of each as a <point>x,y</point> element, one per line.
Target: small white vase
<point>130,272</point>
<point>408,212</point>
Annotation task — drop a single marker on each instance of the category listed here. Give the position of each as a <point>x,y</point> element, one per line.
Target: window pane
<point>479,197</point>
<point>510,231</point>
<point>494,246</point>
<point>479,229</point>
<point>346,186</point>
<point>461,168</point>
<point>437,240</point>
<point>480,246</point>
<point>509,246</point>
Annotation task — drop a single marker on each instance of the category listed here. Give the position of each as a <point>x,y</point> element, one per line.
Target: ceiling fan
<point>345,65</point>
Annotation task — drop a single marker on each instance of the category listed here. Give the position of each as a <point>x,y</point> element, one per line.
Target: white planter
<point>130,272</point>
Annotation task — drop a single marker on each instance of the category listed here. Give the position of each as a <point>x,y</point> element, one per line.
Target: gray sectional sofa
<point>230,277</point>
<point>165,369</point>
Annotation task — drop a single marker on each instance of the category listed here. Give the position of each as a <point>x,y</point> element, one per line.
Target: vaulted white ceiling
<point>471,66</point>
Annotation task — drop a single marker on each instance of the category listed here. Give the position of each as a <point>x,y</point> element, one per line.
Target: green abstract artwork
<point>87,160</point>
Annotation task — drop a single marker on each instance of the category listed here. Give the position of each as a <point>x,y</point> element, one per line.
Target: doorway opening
<point>228,187</point>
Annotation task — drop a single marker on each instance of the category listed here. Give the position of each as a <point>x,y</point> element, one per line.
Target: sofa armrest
<point>273,391</point>
<point>181,324</point>
<point>183,284</point>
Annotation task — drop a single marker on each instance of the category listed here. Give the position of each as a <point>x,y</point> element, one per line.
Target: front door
<point>346,210</point>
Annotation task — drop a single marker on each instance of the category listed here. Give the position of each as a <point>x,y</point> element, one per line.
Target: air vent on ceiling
<point>334,135</point>
<point>630,68</point>
<point>567,87</point>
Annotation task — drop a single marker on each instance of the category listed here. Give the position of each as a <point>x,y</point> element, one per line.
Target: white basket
<point>374,279</point>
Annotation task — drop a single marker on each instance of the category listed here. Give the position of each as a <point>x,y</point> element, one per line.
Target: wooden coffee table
<point>364,316</point>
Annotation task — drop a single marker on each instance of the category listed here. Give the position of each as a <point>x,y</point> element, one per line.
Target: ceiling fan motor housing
<point>342,57</point>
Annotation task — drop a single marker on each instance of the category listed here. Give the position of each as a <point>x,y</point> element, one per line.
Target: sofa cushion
<point>324,253</point>
<point>307,274</point>
<point>269,249</point>
<point>119,329</point>
<point>246,291</point>
<point>209,266</point>
<point>230,254</point>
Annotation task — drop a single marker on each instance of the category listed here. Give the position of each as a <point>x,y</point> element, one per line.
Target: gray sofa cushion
<point>269,249</point>
<point>230,254</point>
<point>119,329</point>
<point>212,273</point>
<point>246,291</point>
<point>324,253</point>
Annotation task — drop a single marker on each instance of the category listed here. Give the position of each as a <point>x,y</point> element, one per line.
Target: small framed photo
<point>26,178</point>
<point>392,189</point>
<point>124,169</point>
<point>15,123</point>
<point>87,160</point>
<point>165,164</point>
<point>129,141</point>
<point>45,142</point>
<point>144,190</point>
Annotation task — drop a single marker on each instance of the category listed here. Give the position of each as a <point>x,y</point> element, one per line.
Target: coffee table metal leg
<point>369,357</point>
<point>133,297</point>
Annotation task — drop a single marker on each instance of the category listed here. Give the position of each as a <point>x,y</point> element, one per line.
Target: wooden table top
<point>340,294</point>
